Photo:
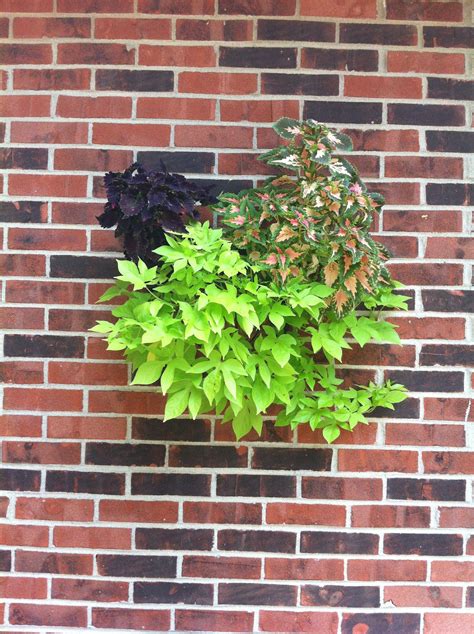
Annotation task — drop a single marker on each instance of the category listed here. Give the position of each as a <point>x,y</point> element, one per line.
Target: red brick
<point>423,167</point>
<point>317,514</point>
<point>444,409</point>
<point>54,509</point>
<point>340,8</point>
<point>298,622</point>
<point>47,185</point>
<point>23,588</point>
<point>52,79</point>
<point>450,248</point>
<point>257,7</point>
<point>221,567</point>
<point>82,159</point>
<point>457,571</point>
<point>304,569</point>
<point>243,164</point>
<point>425,62</point>
<point>382,87</point>
<point>89,590</point>
<point>94,107</point>
<point>377,354</point>
<point>425,10</point>
<point>24,292</point>
<point>19,372</point>
<point>48,615</point>
<point>126,402</point>
<point>192,7</point>
<point>20,54</point>
<point>187,56</point>
<point>131,619</point>
<point>92,537</point>
<point>409,194</point>
<point>132,29</point>
<point>175,108</point>
<point>145,135</point>
<point>25,106</point>
<point>96,6</point>
<point>456,517</point>
<point>430,327</point>
<point>376,516</point>
<point>87,373</point>
<point>19,264</point>
<point>386,570</point>
<point>49,132</point>
<point>22,318</point>
<point>428,274</point>
<point>71,213</point>
<point>218,83</point>
<point>43,400</point>
<point>114,54</point>
<point>47,239</point>
<point>258,111</point>
<point>26,6</point>
<point>448,462</point>
<point>213,621</point>
<point>422,221</point>
<point>82,427</point>
<point>20,425</point>
<point>134,511</point>
<point>41,452</point>
<point>222,513</point>
<point>213,136</point>
<point>448,622</point>
<point>105,241</point>
<point>47,562</point>
<point>36,28</point>
<point>427,435</point>
<point>97,349</point>
<point>377,460</point>
<point>385,140</point>
<point>227,30</point>
<point>21,535</point>
<point>361,435</point>
<point>421,596</point>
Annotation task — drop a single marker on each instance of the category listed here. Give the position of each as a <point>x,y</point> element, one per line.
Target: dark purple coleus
<point>144,205</point>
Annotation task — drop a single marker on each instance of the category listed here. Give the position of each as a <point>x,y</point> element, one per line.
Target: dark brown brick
<point>204,456</point>
<point>443,354</point>
<point>426,489</point>
<point>135,80</point>
<point>256,594</point>
<point>174,539</point>
<point>340,543</point>
<point>23,158</point>
<point>84,482</point>
<point>171,484</point>
<point>450,194</point>
<point>282,84</point>
<point>450,141</point>
<point>136,566</point>
<point>292,459</point>
<point>265,541</point>
<point>20,480</point>
<point>330,488</point>
<point>183,162</point>
<point>428,381</point>
<point>125,454</point>
<point>44,346</point>
<point>22,211</point>
<point>447,88</point>
<point>381,623</point>
<point>341,596</point>
<point>425,114</point>
<point>432,545</point>
<point>257,57</point>
<point>470,598</point>
<point>167,592</point>
<point>90,267</point>
<point>256,485</point>
<point>5,560</point>
<point>182,429</point>
<point>296,30</point>
<point>394,34</point>
<point>458,301</point>
<point>448,36</point>
<point>338,59</point>
<point>343,111</point>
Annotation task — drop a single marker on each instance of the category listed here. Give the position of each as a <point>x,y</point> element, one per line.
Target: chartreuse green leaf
<point>176,404</point>
<point>148,373</point>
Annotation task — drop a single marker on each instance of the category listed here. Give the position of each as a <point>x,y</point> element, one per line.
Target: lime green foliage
<point>315,224</point>
<point>220,338</point>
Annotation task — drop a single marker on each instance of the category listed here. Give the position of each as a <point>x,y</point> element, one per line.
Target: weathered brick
<point>426,489</point>
<point>343,111</point>
<point>44,346</point>
<point>396,35</point>
<point>296,30</point>
<point>423,544</point>
<point>214,620</point>
<point>168,592</point>
<point>425,114</point>
<point>341,596</point>
<point>130,618</point>
<point>136,566</point>
<point>447,36</point>
<point>253,540</point>
<point>387,623</point>
<point>135,80</point>
<point>338,59</point>
<point>174,538</point>
<point>339,543</point>
<point>84,482</point>
<point>221,567</point>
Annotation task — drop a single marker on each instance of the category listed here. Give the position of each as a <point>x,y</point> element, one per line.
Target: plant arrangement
<point>236,320</point>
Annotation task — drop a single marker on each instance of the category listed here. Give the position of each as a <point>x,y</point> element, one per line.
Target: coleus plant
<point>314,224</point>
<point>218,335</point>
<point>144,205</point>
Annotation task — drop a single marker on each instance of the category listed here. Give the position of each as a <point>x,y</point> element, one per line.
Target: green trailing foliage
<point>220,336</point>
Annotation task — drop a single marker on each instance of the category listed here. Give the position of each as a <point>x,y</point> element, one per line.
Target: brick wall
<point>111,520</point>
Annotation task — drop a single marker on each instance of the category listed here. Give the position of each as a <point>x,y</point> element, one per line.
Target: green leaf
<point>176,404</point>
<point>211,385</point>
<point>331,433</point>
<point>195,401</point>
<point>148,373</point>
<point>102,327</point>
<point>262,396</point>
